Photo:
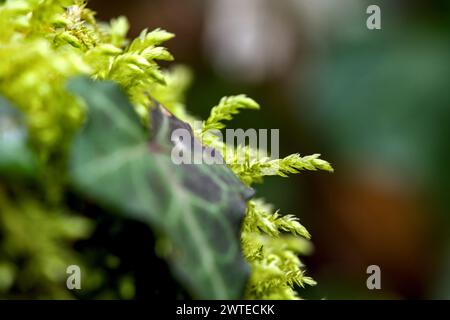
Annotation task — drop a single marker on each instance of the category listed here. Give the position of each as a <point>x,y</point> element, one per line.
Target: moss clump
<point>45,42</point>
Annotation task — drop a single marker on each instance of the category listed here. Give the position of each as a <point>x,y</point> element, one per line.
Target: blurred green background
<point>375,103</point>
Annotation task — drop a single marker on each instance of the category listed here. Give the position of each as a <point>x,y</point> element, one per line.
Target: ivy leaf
<point>197,208</point>
<point>15,156</point>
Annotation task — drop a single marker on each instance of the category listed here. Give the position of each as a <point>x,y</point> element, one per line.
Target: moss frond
<point>272,254</point>
<point>251,169</point>
<point>224,111</point>
<point>267,246</point>
<point>45,42</point>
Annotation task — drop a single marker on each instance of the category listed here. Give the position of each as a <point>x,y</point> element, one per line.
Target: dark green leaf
<point>15,157</point>
<point>197,208</point>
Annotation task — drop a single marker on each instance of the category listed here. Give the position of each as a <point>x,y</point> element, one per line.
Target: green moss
<point>43,43</point>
